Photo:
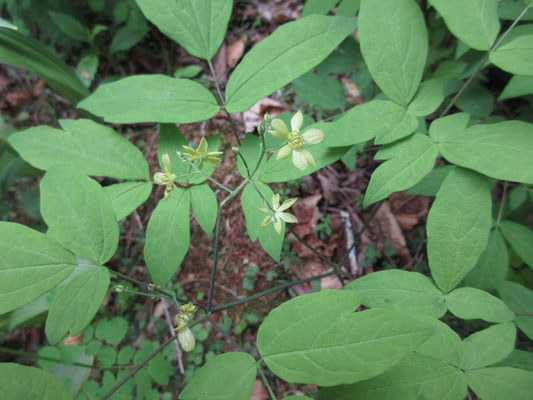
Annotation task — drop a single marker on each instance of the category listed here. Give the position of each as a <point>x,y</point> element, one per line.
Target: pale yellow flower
<point>166,178</point>
<point>278,213</point>
<point>301,158</point>
<point>201,154</point>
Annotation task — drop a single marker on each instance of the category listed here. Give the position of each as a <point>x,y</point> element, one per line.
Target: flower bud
<point>120,289</point>
<point>186,339</point>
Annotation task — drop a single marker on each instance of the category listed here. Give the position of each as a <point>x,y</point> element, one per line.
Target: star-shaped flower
<point>201,154</point>
<point>301,158</point>
<point>278,213</point>
<point>167,178</point>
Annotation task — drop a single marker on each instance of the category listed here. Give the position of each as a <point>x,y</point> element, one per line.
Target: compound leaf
<point>168,236</point>
<point>79,214</point>
<point>394,44</point>
<point>318,339</point>
<point>76,304</point>
<point>31,265</point>
<point>458,226</point>
<point>292,50</point>
<point>151,98</point>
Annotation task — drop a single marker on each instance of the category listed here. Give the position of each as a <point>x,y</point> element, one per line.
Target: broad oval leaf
<point>292,50</point>
<point>492,265</point>
<point>475,22</point>
<point>79,214</point>
<point>76,304</point>
<point>519,85</point>
<point>317,338</point>
<point>151,98</point>
<point>127,196</point>
<point>410,165</point>
<point>520,237</point>
<point>470,303</point>
<point>250,202</point>
<point>520,300</point>
<point>227,376</point>
<point>168,236</point>
<point>444,345</point>
<point>518,359</point>
<point>204,207</point>
<point>394,43</point>
<point>83,145</point>
<point>400,290</point>
<point>429,97</point>
<point>197,25</point>
<point>458,226</point>
<point>488,346</point>
<point>414,377</point>
<point>502,150</point>
<point>31,265</point>
<point>516,51</point>
<point>380,119</point>
<point>320,89</point>
<point>498,383</point>
<point>21,382</point>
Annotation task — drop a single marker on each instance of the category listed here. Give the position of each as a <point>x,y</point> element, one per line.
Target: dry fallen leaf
<point>259,393</point>
<point>234,53</point>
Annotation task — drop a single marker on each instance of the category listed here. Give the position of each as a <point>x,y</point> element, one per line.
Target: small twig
<point>171,329</point>
<point>524,314</point>
<point>225,334</point>
<point>483,62</point>
<point>502,203</point>
<point>348,229</point>
<point>265,381</point>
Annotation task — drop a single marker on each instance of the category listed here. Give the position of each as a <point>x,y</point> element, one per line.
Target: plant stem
<point>502,203</point>
<point>191,164</point>
<point>222,100</point>
<point>268,291</point>
<point>524,314</point>
<point>265,381</point>
<point>225,334</point>
<point>146,361</point>
<point>24,354</point>
<point>483,62</point>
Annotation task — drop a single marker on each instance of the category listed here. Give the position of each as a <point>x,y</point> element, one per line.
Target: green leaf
<point>319,7</point>
<point>458,226</point>
<point>151,98</point>
<point>125,355</point>
<point>204,207</point>
<point>160,369</point>
<point>429,97</point>
<point>400,290</point>
<point>31,265</point>
<point>498,383</point>
<point>284,170</point>
<point>76,304</point>
<point>488,346</point>
<point>317,338</point>
<point>23,382</point>
<point>518,359</point>
<point>492,265</point>
<point>292,50</point>
<point>107,356</point>
<point>520,300</point>
<point>511,9</point>
<point>444,345</point>
<point>430,185</point>
<point>250,152</point>
<point>171,140</point>
<point>26,314</point>
<point>381,119</point>
<point>412,162</point>
<point>70,26</point>
<point>84,146</point>
<point>127,196</point>
<point>477,101</point>
<point>443,128</point>
<point>475,22</point>
<point>127,37</point>
<point>271,241</point>
<point>348,8</point>
<point>516,51</point>
<point>20,51</point>
<point>87,68</point>
<point>79,214</point>
<point>112,330</point>
<point>520,238</point>
<point>320,90</point>
<point>394,43</point>
<point>197,25</point>
<point>251,201</point>
<point>470,303</point>
<point>212,381</point>
<point>414,377</point>
<point>168,236</point>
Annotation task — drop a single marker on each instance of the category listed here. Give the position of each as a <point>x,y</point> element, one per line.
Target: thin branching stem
<point>198,170</point>
<point>483,62</point>
<point>265,381</point>
<point>146,361</point>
